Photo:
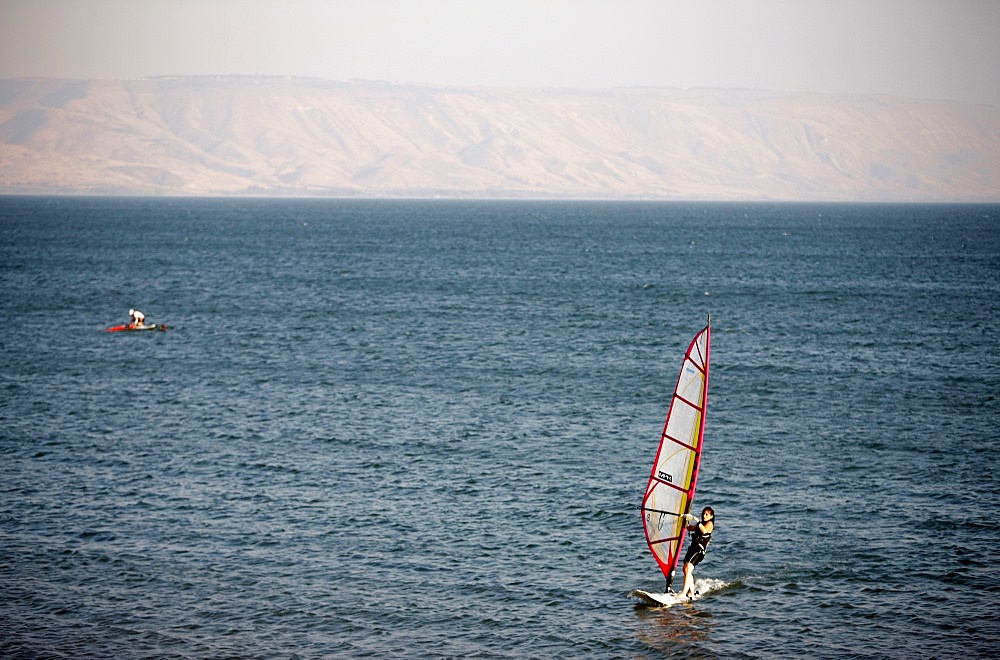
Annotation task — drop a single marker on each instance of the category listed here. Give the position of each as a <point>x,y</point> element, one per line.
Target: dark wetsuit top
<point>699,545</point>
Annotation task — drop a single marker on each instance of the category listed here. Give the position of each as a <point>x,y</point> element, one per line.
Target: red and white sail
<point>674,477</point>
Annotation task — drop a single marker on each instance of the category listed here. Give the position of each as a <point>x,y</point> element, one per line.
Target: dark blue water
<point>422,428</point>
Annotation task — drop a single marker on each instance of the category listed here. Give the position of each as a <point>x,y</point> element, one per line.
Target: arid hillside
<point>286,136</point>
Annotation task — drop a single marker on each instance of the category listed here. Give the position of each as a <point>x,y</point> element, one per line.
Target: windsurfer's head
<point>708,513</point>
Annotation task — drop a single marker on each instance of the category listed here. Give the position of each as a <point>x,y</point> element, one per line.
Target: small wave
<point>709,585</point>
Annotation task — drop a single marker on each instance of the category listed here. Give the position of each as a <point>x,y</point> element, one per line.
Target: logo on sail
<point>665,477</point>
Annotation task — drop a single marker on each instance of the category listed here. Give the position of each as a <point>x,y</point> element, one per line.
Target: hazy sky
<point>943,49</point>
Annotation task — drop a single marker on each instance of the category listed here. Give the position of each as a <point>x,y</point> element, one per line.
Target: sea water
<point>422,428</point>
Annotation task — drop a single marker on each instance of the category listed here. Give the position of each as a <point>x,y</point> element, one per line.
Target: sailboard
<point>658,599</point>
<point>702,588</point>
<point>674,477</point>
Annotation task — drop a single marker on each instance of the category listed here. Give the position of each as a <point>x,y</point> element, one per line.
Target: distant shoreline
<point>266,136</point>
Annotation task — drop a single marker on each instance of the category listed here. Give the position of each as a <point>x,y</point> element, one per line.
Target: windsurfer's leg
<point>687,591</point>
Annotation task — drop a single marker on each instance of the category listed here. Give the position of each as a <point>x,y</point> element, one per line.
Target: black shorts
<point>694,555</point>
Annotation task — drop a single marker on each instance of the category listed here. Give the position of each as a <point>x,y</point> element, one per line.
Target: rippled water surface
<point>422,428</point>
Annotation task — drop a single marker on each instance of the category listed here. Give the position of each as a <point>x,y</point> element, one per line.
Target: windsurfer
<point>135,318</point>
<point>701,535</point>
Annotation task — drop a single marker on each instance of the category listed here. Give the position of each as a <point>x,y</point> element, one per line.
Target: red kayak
<point>136,328</point>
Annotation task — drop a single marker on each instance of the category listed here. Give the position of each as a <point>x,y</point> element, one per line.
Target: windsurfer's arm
<point>691,523</point>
